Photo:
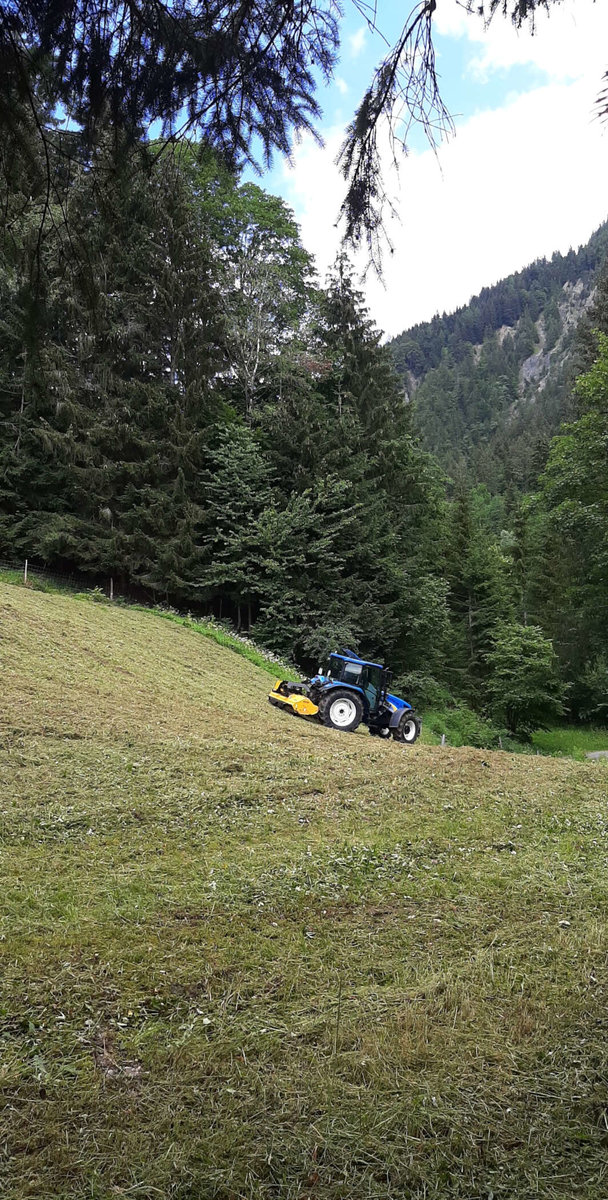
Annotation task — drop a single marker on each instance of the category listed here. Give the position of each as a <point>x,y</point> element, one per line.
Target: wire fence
<point>37,575</point>
<point>32,572</point>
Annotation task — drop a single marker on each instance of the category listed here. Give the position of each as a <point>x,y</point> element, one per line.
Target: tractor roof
<point>348,656</point>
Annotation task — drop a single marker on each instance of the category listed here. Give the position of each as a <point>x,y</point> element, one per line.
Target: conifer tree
<point>233,494</point>
<point>574,496</point>
<point>35,372</point>
<point>349,425</point>
<point>480,596</point>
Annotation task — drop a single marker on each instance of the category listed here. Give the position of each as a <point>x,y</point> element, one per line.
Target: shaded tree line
<point>184,409</point>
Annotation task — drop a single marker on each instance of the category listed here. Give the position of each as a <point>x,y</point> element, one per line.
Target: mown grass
<point>211,629</point>
<point>243,956</point>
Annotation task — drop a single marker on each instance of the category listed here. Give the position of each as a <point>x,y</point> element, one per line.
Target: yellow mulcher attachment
<point>298,703</point>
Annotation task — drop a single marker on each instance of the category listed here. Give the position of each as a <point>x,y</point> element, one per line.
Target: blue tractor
<point>348,691</point>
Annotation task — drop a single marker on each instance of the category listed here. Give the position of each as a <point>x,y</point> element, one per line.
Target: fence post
<point>111,588</point>
<point>443,739</point>
<point>25,573</point>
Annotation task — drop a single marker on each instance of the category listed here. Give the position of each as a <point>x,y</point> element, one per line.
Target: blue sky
<point>526,174</point>
<point>462,95</point>
<point>361,51</point>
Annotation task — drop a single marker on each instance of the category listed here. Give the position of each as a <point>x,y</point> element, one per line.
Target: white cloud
<point>356,41</point>
<point>341,85</point>
<point>514,185</point>
<point>569,42</point>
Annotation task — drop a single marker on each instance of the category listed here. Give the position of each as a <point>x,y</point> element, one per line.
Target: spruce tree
<point>233,493</point>
<point>574,498</point>
<point>480,596</point>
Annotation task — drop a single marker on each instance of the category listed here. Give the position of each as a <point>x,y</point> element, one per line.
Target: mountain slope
<point>492,381</point>
<point>246,956</point>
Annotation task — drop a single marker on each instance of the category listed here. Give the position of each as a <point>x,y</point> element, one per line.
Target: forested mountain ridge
<point>492,381</point>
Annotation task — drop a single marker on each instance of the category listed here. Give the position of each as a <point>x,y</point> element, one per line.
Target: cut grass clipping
<point>245,956</point>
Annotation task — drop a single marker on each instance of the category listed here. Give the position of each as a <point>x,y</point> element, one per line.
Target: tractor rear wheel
<point>341,710</point>
<point>408,729</point>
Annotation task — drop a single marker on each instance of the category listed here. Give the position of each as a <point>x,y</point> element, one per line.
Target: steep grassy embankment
<point>245,956</point>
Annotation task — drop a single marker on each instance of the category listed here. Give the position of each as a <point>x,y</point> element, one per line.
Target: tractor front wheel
<point>341,710</point>
<point>408,730</point>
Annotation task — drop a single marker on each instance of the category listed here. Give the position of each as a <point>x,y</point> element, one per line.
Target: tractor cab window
<point>352,674</point>
<point>336,669</point>
<point>372,686</point>
<point>342,671</point>
<point>359,675</point>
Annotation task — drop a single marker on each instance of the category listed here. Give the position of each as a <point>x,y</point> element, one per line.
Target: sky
<point>526,173</point>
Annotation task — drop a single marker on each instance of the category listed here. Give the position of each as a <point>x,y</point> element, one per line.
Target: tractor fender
<point>397,702</point>
<point>402,715</point>
<point>398,711</point>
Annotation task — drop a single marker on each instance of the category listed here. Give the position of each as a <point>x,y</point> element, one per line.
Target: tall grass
<point>572,740</point>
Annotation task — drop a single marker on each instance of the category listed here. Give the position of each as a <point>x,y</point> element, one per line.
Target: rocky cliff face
<point>536,369</point>
<point>492,382</point>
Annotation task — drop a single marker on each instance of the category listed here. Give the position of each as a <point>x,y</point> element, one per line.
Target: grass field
<point>243,956</point>
<point>575,741</point>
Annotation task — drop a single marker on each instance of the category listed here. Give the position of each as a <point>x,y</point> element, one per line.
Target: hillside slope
<point>246,956</point>
<point>492,381</point>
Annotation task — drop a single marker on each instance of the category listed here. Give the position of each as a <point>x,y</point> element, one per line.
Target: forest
<point>186,409</point>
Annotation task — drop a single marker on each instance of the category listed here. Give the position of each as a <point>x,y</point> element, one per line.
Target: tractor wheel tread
<point>408,731</point>
<point>340,719</point>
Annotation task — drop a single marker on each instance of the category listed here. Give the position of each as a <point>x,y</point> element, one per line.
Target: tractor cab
<point>368,678</point>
